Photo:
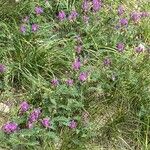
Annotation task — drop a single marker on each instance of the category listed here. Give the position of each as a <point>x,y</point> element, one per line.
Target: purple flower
<point>34,27</point>
<point>23,28</point>
<point>73,124</point>
<point>25,19</point>
<point>30,125</point>
<point>34,115</point>
<point>85,6</point>
<point>135,16</point>
<point>86,19</point>
<point>73,16</point>
<point>61,15</point>
<point>10,127</point>
<point>38,10</point>
<point>78,49</point>
<point>107,62</point>
<point>123,22</point>
<point>140,48</point>
<point>120,47</point>
<point>69,82</point>
<point>96,5</point>
<point>46,122</point>
<point>2,68</point>
<point>24,106</point>
<point>121,10</point>
<point>83,76</point>
<point>145,14</point>
<point>76,64</point>
<point>55,82</point>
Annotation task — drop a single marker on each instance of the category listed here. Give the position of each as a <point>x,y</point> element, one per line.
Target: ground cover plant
<point>75,74</point>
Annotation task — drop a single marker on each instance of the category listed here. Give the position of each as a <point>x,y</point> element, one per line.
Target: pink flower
<point>123,22</point>
<point>85,6</point>
<point>140,48</point>
<point>46,122</point>
<point>97,5</point>
<point>23,28</point>
<point>78,49</point>
<point>120,47</point>
<point>35,27</point>
<point>55,82</point>
<point>76,64</point>
<point>38,10</point>
<point>73,124</point>
<point>24,106</point>
<point>69,82</point>
<point>61,15</point>
<point>10,127</point>
<point>121,10</point>
<point>83,76</point>
<point>73,16</point>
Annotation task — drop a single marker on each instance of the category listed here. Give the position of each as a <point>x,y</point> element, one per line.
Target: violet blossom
<point>69,82</point>
<point>121,10</point>
<point>38,10</point>
<point>85,6</point>
<point>135,16</point>
<point>76,64</point>
<point>120,47</point>
<point>10,127</point>
<point>61,15</point>
<point>78,49</point>
<point>2,68</point>
<point>54,82</point>
<point>140,48</point>
<point>83,76</point>
<point>34,116</point>
<point>96,5</point>
<point>46,122</point>
<point>24,106</point>
<point>72,124</point>
<point>123,21</point>
<point>107,62</point>
<point>23,28</point>
<point>35,27</point>
<point>73,15</point>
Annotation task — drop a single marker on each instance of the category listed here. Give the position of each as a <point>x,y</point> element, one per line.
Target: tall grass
<point>116,97</point>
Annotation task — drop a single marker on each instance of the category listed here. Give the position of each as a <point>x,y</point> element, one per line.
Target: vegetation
<point>76,74</point>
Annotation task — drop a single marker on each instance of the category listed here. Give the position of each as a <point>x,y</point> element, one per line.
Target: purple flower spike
<point>23,28</point>
<point>69,82</point>
<point>24,106</point>
<point>73,124</point>
<point>107,62</point>
<point>78,49</point>
<point>83,76</point>
<point>2,68</point>
<point>140,48</point>
<point>76,64</point>
<point>34,116</point>
<point>35,27</point>
<point>97,5</point>
<point>135,16</point>
<point>121,10</point>
<point>10,127</point>
<point>120,47</point>
<point>46,122</point>
<point>123,22</point>
<point>61,15</point>
<point>38,10</point>
<point>55,82</point>
<point>73,16</point>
